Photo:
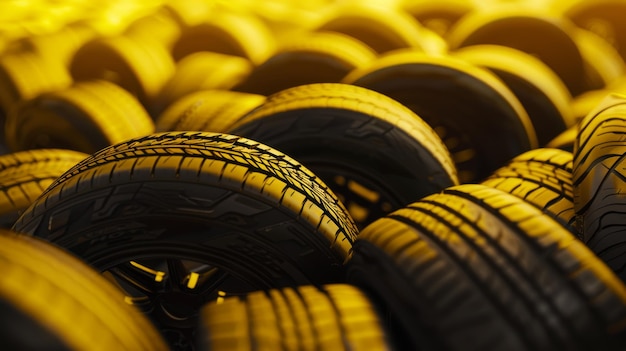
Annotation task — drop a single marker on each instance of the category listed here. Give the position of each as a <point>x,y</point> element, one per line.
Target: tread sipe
<point>542,177</point>
<point>475,268</point>
<point>25,175</point>
<point>373,152</point>
<point>330,317</point>
<point>599,181</point>
<point>176,218</point>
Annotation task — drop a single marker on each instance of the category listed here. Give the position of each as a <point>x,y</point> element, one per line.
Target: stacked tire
<point>322,176</point>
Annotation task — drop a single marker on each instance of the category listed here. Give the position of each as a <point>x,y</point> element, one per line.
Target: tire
<point>24,76</point>
<point>58,46</point>
<point>329,317</point>
<point>227,33</point>
<point>605,18</point>
<point>541,92</point>
<point>307,59</point>
<point>51,300</point>
<point>484,128</point>
<point>178,218</point>
<point>371,151</point>
<point>208,111</point>
<point>25,175</point>
<point>475,268</point>
<point>543,178</point>
<point>202,71</point>
<point>142,67</point>
<point>603,64</point>
<point>598,197</point>
<point>547,37</point>
<point>86,117</point>
<point>160,26</point>
<point>381,28</point>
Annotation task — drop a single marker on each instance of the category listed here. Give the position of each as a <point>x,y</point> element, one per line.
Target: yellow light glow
<point>193,280</point>
<point>158,275</point>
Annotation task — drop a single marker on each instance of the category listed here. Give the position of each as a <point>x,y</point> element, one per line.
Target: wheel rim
<point>170,288</point>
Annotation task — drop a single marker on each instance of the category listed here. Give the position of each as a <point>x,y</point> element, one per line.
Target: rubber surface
<point>604,17</point>
<point>25,175</point>
<point>543,178</point>
<point>542,93</point>
<point>373,152</point>
<point>86,117</point>
<point>324,57</point>
<point>475,268</point>
<point>149,210</point>
<point>208,111</point>
<point>142,67</point>
<point>202,71</point>
<point>603,63</point>
<point>23,76</point>
<point>329,317</point>
<point>479,119</point>
<point>521,28</point>
<point>598,181</point>
<point>381,28</point>
<point>236,34</point>
<point>53,293</point>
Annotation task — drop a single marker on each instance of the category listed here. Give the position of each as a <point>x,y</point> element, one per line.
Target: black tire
<point>176,218</point>
<point>478,118</point>
<point>475,268</point>
<point>543,178</point>
<point>85,117</point>
<point>207,111</point>
<point>373,152</point>
<point>330,317</point>
<point>528,29</point>
<point>307,59</point>
<point>542,93</point>
<point>599,183</point>
<point>25,175</point>
<point>50,300</point>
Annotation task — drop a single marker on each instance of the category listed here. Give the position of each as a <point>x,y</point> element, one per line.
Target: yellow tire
<point>142,67</point>
<point>312,58</point>
<point>85,117</point>
<point>202,71</point>
<point>50,300</point>
<point>324,318</point>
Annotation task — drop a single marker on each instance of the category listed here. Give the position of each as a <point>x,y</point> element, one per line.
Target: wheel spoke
<point>178,274</point>
<point>137,279</point>
<point>210,281</point>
